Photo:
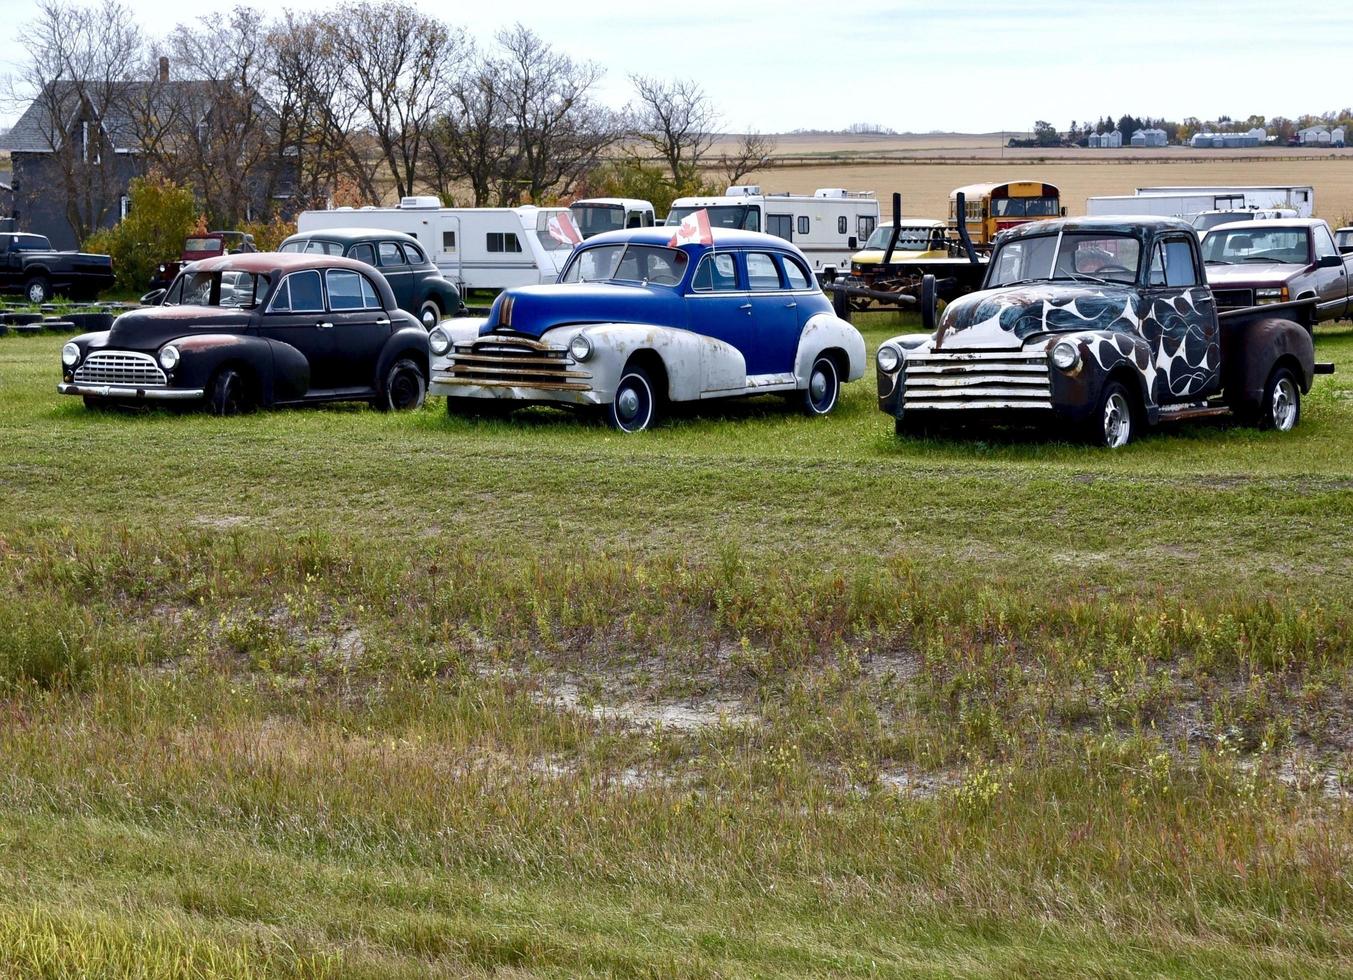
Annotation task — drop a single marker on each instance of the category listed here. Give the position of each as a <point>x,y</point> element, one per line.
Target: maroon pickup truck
<point>198,247</point>
<point>1256,263</point>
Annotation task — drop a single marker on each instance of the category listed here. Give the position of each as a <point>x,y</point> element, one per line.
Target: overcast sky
<point>920,65</point>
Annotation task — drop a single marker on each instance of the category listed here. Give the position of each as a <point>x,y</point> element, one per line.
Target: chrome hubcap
<point>817,385</point>
<point>429,318</point>
<point>1117,421</point>
<point>627,405</point>
<point>35,294</point>
<point>1284,405</point>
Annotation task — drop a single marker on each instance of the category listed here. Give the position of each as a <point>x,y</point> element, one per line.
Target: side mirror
<point>153,297</point>
<point>1330,261</point>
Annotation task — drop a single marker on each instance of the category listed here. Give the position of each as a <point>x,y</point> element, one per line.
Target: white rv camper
<point>1189,202</point>
<point>828,227</point>
<point>476,248</point>
<point>594,215</point>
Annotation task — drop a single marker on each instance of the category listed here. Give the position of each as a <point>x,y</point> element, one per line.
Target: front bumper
<point>447,386</point>
<point>130,393</point>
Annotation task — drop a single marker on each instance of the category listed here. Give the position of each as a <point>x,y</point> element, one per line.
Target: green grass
<point>330,692</point>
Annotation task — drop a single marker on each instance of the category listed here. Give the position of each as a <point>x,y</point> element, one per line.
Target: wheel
<point>404,388</point>
<point>914,428</point>
<point>824,388</point>
<point>429,314</point>
<point>95,404</point>
<point>1281,407</point>
<point>38,290</point>
<point>228,393</point>
<point>635,406</point>
<point>1114,423</point>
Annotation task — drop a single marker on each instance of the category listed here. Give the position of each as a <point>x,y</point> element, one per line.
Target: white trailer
<point>828,227</point>
<point>476,248</point>
<point>1185,206</point>
<point>1298,197</point>
<point>594,215</point>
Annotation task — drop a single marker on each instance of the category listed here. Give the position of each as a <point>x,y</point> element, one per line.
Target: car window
<point>345,290</point>
<point>390,254</point>
<point>1324,245</point>
<point>761,271</point>
<point>1180,269</point>
<point>716,273</point>
<point>795,274</point>
<point>364,252</point>
<point>369,297</point>
<point>414,254</point>
<point>301,292</point>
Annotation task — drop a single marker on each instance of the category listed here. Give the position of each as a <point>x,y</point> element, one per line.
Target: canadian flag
<point>694,229</point>
<point>562,229</point>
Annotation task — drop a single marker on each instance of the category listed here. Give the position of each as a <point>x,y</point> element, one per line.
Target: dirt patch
<point>688,715</point>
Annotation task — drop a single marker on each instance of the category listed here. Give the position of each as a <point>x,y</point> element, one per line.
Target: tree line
<point>343,105</point>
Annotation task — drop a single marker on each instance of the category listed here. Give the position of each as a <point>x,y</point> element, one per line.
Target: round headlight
<point>169,357</point>
<point>438,341</point>
<point>70,355</point>
<point>580,347</point>
<point>1065,355</point>
<point>889,358</point>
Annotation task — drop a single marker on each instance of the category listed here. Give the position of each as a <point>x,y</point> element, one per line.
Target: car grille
<point>1233,299</point>
<point>976,379</point>
<point>516,363</point>
<point>120,368</point>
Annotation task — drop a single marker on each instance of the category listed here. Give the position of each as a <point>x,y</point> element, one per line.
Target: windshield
<point>651,264</point>
<point>909,240</point>
<point>1078,256</point>
<point>1257,244</point>
<point>232,290</point>
<point>202,245</point>
<point>743,216</point>
<point>1205,221</point>
<point>593,219</point>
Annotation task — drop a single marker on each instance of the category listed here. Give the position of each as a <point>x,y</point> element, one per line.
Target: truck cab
<point>595,215</point>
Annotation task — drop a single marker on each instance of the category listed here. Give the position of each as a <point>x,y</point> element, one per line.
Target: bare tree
<point>676,119</point>
<point>472,143</point>
<point>752,151</point>
<point>398,62</point>
<point>80,62</point>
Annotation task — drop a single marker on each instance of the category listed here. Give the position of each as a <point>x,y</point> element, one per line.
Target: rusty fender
<point>1253,346</point>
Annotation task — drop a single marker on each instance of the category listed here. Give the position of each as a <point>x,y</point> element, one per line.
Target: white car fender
<point>461,330</point>
<point>824,331</point>
<point>694,364</point>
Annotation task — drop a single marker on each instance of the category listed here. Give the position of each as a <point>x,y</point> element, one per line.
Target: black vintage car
<point>256,330</point>
<point>418,284</point>
<point>28,264</point>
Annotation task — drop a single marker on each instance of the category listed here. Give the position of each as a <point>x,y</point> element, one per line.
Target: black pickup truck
<point>28,265</point>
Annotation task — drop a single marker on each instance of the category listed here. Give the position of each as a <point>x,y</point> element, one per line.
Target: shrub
<point>161,215</point>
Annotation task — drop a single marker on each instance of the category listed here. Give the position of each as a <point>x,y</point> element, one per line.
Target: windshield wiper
<point>1264,258</point>
<point>1078,276</point>
<point>1217,262</point>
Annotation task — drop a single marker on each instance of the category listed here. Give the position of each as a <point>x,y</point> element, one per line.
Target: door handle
<point>383,323</point>
<point>791,305</point>
<point>746,306</point>
<point>325,325</point>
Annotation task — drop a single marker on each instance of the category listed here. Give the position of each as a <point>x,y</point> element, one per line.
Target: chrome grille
<point>515,363</point>
<point>1233,299</point>
<point>120,368</point>
<point>976,379</point>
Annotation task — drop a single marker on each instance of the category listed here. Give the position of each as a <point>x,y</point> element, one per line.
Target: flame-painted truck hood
<point>532,310</point>
<point>1005,319</point>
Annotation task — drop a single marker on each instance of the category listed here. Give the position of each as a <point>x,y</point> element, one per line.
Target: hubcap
<point>818,385</point>
<point>1284,405</point>
<point>36,293</point>
<point>429,317</point>
<point>1117,421</point>
<point>627,405</point>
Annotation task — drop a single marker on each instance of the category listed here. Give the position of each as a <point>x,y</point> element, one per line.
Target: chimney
<point>164,68</point>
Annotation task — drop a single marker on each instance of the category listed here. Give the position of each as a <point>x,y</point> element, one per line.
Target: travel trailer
<point>828,227</point>
<point>476,248</point>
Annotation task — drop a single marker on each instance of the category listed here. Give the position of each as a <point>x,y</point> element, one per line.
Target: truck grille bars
<point>120,368</point>
<point>519,363</point>
<point>976,380</point>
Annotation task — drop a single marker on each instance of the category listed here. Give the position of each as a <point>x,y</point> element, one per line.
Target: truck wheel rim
<point>1284,405</point>
<point>1117,421</point>
<point>36,294</point>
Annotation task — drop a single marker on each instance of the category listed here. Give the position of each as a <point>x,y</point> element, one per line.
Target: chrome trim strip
<point>121,391</point>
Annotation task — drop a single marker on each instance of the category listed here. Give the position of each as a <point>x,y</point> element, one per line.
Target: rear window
<point>313,247</point>
<point>202,245</point>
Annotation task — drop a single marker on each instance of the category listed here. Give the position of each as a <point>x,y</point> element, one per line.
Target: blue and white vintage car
<point>635,323</point>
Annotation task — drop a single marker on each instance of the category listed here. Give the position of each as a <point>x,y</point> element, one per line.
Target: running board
<point>1195,412</point>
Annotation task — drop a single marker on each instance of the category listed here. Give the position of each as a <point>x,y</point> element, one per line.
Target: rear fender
<point>1250,348</point>
<point>824,331</point>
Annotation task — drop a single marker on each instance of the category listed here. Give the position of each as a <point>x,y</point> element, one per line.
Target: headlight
<point>169,357</point>
<point>70,355</point>
<point>161,268</point>
<point>1065,356</point>
<point>438,341</point>
<point>889,358</point>
<point>1277,295</point>
<point>580,347</point>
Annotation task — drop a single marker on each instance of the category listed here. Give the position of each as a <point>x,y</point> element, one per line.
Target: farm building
<point>1230,141</point>
<point>1149,137</point>
<point>1321,136</point>
<point>1105,141</point>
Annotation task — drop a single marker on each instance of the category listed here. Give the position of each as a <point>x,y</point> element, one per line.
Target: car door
<point>395,268</point>
<point>296,316</point>
<point>360,327</point>
<point>1180,323</point>
<point>1331,280</point>
<point>720,307</point>
<point>775,315</point>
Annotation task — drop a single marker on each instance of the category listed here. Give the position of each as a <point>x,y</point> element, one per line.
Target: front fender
<point>461,330</point>
<point>1102,353</point>
<point>694,364</point>
<point>825,331</point>
<point>281,372</point>
<point>407,341</point>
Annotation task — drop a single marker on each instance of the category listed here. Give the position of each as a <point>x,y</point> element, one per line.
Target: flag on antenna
<point>694,229</point>
<point>562,229</point>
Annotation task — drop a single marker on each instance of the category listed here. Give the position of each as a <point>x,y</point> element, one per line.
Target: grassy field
<point>336,693</point>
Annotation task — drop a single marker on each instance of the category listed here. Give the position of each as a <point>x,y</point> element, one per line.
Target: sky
<point>914,65</point>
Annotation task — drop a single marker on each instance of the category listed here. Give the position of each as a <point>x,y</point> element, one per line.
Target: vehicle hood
<point>149,328</point>
<point>873,256</point>
<point>1007,318</point>
<point>532,310</point>
<point>1251,273</point>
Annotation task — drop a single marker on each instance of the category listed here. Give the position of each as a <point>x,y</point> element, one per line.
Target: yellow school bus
<point>991,208</point>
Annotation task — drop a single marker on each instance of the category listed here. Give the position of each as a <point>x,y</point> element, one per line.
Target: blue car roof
<point>662,234</point>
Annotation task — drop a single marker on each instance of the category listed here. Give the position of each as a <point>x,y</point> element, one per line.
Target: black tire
<point>911,427</point>
<point>37,290</point>
<point>635,406</point>
<point>228,393</point>
<point>96,404</point>
<point>1280,408</point>
<point>405,387</point>
<point>429,314</point>
<point>824,388</point>
<point>1115,420</point>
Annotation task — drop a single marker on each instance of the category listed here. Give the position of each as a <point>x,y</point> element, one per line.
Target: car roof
<point>278,262</point>
<point>1268,223</point>
<point>1120,223</point>
<point>349,236</point>
<point>663,234</point>
<point>624,202</point>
